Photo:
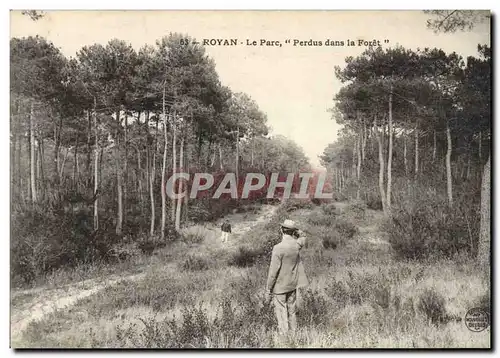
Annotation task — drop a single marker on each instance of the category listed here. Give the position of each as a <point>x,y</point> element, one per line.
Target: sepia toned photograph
<point>249,179</point>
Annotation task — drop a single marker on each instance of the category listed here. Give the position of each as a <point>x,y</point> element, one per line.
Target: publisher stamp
<point>477,319</point>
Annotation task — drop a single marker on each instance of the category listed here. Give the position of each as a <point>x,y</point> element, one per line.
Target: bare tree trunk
<point>179,201</point>
<point>342,177</point>
<point>89,149</point>
<point>354,154</point>
<point>467,172</point>
<point>139,179</point>
<point>363,144</point>
<point>119,185</point>
<point>416,148</point>
<point>63,165</point>
<point>381,161</point>
<point>237,154</point>
<point>405,156</point>
<point>75,161</point>
<point>212,161</point>
<point>484,250</point>
<point>125,162</point>
<point>15,178</point>
<point>174,161</point>
<point>13,147</point>
<point>34,197</point>
<point>185,166</point>
<point>448,166</point>
<point>480,146</point>
<point>220,158</point>
<point>151,183</point>
<point>253,148</point>
<point>57,147</point>
<point>41,174</point>
<point>358,168</point>
<point>389,159</point>
<point>96,169</point>
<point>163,171</point>
<point>434,147</point>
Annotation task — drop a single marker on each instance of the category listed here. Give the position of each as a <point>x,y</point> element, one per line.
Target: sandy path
<point>41,302</point>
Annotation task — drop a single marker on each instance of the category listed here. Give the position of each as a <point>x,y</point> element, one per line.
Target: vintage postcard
<point>250,179</point>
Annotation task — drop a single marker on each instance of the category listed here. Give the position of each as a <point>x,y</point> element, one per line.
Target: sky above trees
<point>293,85</point>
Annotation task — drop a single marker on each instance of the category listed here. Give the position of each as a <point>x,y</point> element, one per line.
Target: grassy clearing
<point>359,296</point>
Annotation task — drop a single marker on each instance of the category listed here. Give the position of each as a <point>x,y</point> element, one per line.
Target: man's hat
<point>290,224</point>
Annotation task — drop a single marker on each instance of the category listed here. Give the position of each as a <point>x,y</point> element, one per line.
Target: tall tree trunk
<point>41,174</point>
<point>89,149</point>
<point>467,172</point>
<point>185,166</point>
<point>140,190</point>
<point>342,177</point>
<point>237,154</point>
<point>354,155</point>
<point>381,161</point>
<point>119,185</point>
<point>125,161</point>
<point>363,144</point>
<point>163,171</point>
<point>16,160</point>
<point>434,147</point>
<point>179,201</point>
<point>174,161</point>
<point>13,148</point>
<point>448,166</point>
<point>96,168</point>
<point>75,162</point>
<point>405,154</point>
<point>212,161</point>
<point>416,148</point>
<point>63,165</point>
<point>220,158</point>
<point>57,148</point>
<point>480,147</point>
<point>358,168</point>
<point>389,159</point>
<point>253,149</point>
<point>34,197</point>
<point>484,250</point>
<point>151,183</point>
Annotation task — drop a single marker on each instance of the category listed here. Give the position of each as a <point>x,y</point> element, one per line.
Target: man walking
<point>286,274</point>
<point>226,230</point>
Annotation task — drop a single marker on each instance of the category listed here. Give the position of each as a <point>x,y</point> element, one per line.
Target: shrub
<point>338,293</point>
<point>45,239</point>
<point>195,263</point>
<point>244,257</point>
<point>346,228</point>
<point>193,237</point>
<point>432,305</point>
<point>329,242</point>
<point>484,303</point>
<point>314,310</point>
<point>148,245</point>
<point>374,203</point>
<point>320,220</point>
<point>431,230</point>
<point>357,209</point>
<point>234,325</point>
<point>329,209</point>
<point>295,204</point>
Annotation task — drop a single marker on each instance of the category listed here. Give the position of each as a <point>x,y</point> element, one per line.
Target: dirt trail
<point>40,302</point>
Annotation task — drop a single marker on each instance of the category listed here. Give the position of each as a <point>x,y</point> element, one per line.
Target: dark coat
<point>226,227</point>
